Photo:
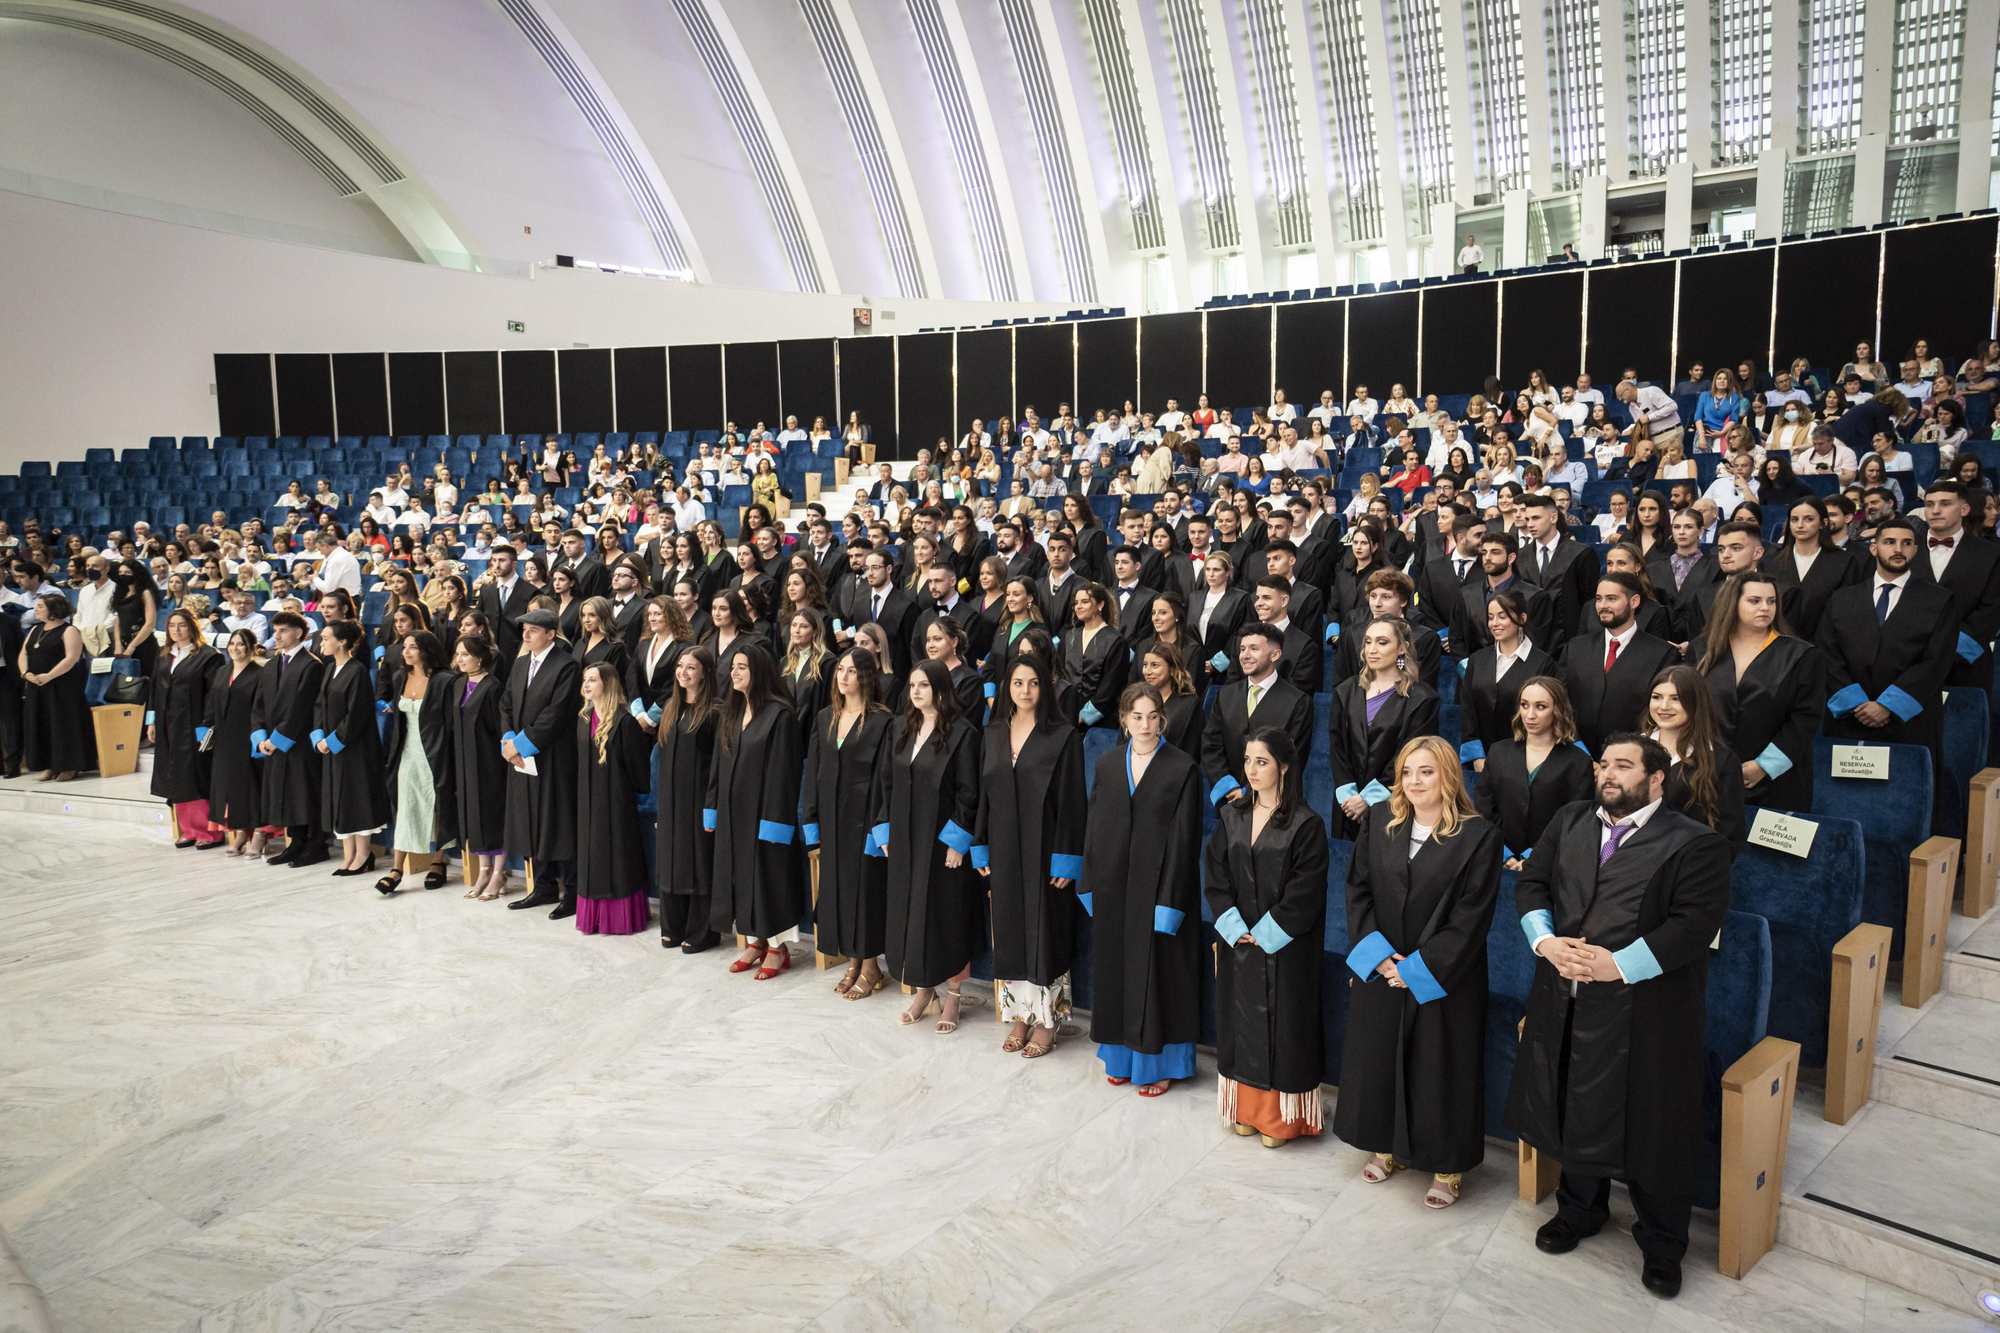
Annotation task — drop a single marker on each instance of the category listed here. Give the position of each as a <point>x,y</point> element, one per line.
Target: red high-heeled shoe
<point>766,972</point>
<point>745,963</point>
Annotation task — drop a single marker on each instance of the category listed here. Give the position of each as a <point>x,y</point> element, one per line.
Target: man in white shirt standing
<point>1471,257</point>
<point>1662,415</point>
<point>337,567</point>
<point>94,618</point>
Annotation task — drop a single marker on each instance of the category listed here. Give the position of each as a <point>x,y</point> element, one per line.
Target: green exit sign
<point>517,326</point>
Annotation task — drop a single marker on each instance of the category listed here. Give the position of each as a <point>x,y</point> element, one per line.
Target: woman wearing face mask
<point>1706,780</point>
<point>1536,771</point>
<point>1768,687</point>
<point>1791,430</point>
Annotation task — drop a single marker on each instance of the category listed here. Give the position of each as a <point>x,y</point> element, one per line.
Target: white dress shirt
<point>1895,586</point>
<point>339,569</point>
<point>1940,555</point>
<point>1505,662</point>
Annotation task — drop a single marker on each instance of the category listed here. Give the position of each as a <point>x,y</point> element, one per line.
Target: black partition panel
<point>1937,284</point>
<point>1045,369</point>
<point>528,393</point>
<point>805,380</point>
<point>694,385</point>
<point>416,393</point>
<point>1826,300</point>
<point>243,403</point>
<point>584,378</point>
<point>750,384</point>
<point>1238,370</point>
<point>1107,362</point>
<point>1382,343</point>
<point>985,377</point>
<point>1631,323</point>
<point>1725,309</point>
<point>360,393</point>
<point>1312,341</point>
<point>472,392</point>
<point>1541,328</point>
<point>1460,339</point>
<point>641,378</point>
<point>1170,360</point>
<point>923,392</point>
<point>305,393</point>
<point>868,386</point>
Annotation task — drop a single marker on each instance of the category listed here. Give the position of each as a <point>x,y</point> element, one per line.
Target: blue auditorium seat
<point>1738,1006</point>
<point>1967,733</point>
<point>99,456</point>
<point>1895,817</point>
<point>1811,904</point>
<point>162,443</point>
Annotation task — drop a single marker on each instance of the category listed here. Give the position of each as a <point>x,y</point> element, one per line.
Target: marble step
<point>1974,971</point>
<point>1905,1198</point>
<point>1947,1063</point>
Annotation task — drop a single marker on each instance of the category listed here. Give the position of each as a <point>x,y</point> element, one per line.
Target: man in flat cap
<point>538,713</point>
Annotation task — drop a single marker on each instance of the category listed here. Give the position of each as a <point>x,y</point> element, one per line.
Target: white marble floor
<point>238,1098</point>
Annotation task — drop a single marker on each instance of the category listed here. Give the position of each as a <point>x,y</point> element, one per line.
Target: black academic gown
<point>1423,642</point>
<point>479,770</point>
<point>1913,651</point>
<point>179,702</point>
<point>1831,570</point>
<point>1606,704</point>
<point>1142,885</point>
<point>1729,820</point>
<point>610,844</point>
<point>1232,612</point>
<point>1359,751</point>
<point>1230,723</point>
<point>837,809</point>
<point>434,734</point>
<point>1486,706</point>
<point>1779,702</point>
<point>1468,630</point>
<point>684,860</point>
<point>1028,831</point>
<point>1092,674</point>
<point>923,798</point>
<point>1520,805</point>
<point>753,790</point>
<point>1609,1077</point>
<point>287,696</point>
<point>541,810</point>
<point>651,688</point>
<point>1270,1027</point>
<point>353,796</point>
<point>1972,577</point>
<point>1185,724</point>
<point>1413,1070</point>
<point>235,778</point>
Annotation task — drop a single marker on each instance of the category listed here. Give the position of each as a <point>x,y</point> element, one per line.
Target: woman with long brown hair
<point>1535,771</point>
<point>752,808</point>
<point>186,673</point>
<point>1374,714</point>
<point>1705,782</point>
<point>684,860</point>
<point>612,762</point>
<point>1767,687</point>
<point>1093,659</point>
<point>846,757</point>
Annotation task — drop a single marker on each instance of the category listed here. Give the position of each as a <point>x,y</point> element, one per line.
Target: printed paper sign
<point>1783,833</point>
<point>1861,761</point>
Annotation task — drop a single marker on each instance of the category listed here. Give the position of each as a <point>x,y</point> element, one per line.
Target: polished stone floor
<point>239,1098</point>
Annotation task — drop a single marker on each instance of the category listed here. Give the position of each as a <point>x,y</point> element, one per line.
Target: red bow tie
<point>1943,541</point>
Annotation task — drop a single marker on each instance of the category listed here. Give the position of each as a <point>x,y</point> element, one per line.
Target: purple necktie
<point>1614,834</point>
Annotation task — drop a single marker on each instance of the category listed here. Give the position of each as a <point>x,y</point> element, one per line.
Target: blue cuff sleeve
<point>811,838</point>
<point>1089,713</point>
<point>523,746</point>
<point>380,651</point>
<point>1084,898</point>
<point>1508,853</point>
<point>1231,926</point>
<point>638,708</point>
<point>1065,867</point>
<point>333,743</point>
<point>1366,956</point>
<point>1636,962</point>
<point>771,831</point>
<point>1343,791</point>
<point>954,837</point>
<point>1374,793</point>
<point>991,689</point>
<point>1270,936</point>
<point>1470,751</point>
<point>653,715</point>
<point>282,741</point>
<point>1332,631</point>
<point>1220,791</point>
<point>1969,648</point>
<point>317,736</point>
<point>708,820</point>
<point>201,734</point>
<point>881,835</point>
<point>1166,921</point>
<point>257,738</point>
<point>1537,925</point>
<point>982,856</point>
<point>1220,661</point>
<point>149,717</point>
<point>1423,986</point>
<point>1772,760</point>
<point>1444,636</point>
<point>1846,701</point>
<point>506,736</point>
<point>1899,703</point>
<point>382,707</point>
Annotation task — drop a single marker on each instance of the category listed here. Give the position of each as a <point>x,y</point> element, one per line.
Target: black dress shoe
<point>535,899</point>
<point>285,857</point>
<point>310,856</point>
<point>701,943</point>
<point>565,909</point>
<point>1662,1276</point>
<point>1559,1235</point>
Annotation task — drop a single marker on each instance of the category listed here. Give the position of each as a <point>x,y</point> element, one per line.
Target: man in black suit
<point>1680,572</point>
<point>1056,589</point>
<point>1305,605</point>
<point>1133,527</point>
<point>941,601</point>
<point>1468,632</point>
<point>1438,582</point>
<point>845,591</point>
<point>1277,528</point>
<point>828,556</point>
<point>1967,568</point>
<point>503,601</point>
<point>1610,673</point>
<point>885,485</point>
<point>1131,593</point>
<point>1890,644</point>
<point>281,719</point>
<point>592,579</point>
<point>1557,563</point>
<point>1025,559</point>
<point>1389,592</point>
<point>1303,660</point>
<point>1260,697</point>
<point>538,711</point>
<point>1085,480</point>
<point>888,606</point>
<point>628,603</point>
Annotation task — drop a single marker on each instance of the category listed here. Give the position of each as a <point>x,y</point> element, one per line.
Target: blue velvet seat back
<point>1319,775</point>
<point>1448,675</point>
<point>1895,816</point>
<point>1334,976</point>
<point>1509,970</point>
<point>1739,999</point>
<point>1810,904</point>
<point>1967,728</point>
<point>1448,723</point>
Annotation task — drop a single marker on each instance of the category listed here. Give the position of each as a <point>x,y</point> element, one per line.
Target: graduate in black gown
<point>1705,781</point>
<point>479,786</point>
<point>649,675</point>
<point>235,797</point>
<point>56,730</point>
<point>279,727</point>
<point>538,731</point>
<point>1093,657</point>
<point>845,760</point>
<point>422,830</point>
<point>1620,902</point>
<point>926,795</point>
<point>1265,880</point>
<point>807,666</point>
<point>183,677</point>
<point>1161,667</point>
<point>1809,562</point>
<point>1420,895</point>
<point>613,758</point>
<point>946,641</point>
<point>1141,883</point>
<point>354,797</point>
<point>1534,772</point>
<point>1374,715</point>
<point>684,850</point>
<point>1493,675</point>
<point>753,808</point>
<point>1259,697</point>
<point>1029,843</point>
<point>1768,688</point>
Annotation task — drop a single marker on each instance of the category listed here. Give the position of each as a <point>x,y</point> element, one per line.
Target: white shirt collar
<point>1526,646</point>
<point>1624,639</point>
<point>1900,582</point>
<point>1265,682</point>
<point>1637,819</point>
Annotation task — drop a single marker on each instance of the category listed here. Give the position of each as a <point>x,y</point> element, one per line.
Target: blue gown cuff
<point>638,708</point>
<point>881,835</point>
<point>1366,956</point>
<point>954,837</point>
<point>1470,751</point>
<point>991,689</point>
<point>1166,921</point>
<point>1088,910</point>
<point>316,737</point>
<point>1091,714</point>
<point>1537,925</point>
<point>1220,661</point>
<point>708,820</point>
<point>1845,701</point>
<point>1231,926</point>
<point>1899,703</point>
<point>380,652</point>
<point>333,743</point>
<point>1065,867</point>
<point>769,830</point>
<point>382,707</point>
<point>1270,936</point>
<point>1220,791</point>
<point>257,738</point>
<point>811,838</point>
<point>1374,793</point>
<point>149,717</point>
<point>1332,630</point>
<point>523,746</point>
<point>201,734</point>
<point>1417,976</point>
<point>1343,792</point>
<point>1969,648</point>
<point>982,856</point>
<point>282,741</point>
<point>1636,962</point>
<point>1772,760</point>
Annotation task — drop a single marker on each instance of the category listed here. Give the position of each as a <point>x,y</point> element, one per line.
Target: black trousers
<point>551,876</point>
<point>1662,1225</point>
<point>684,916</point>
